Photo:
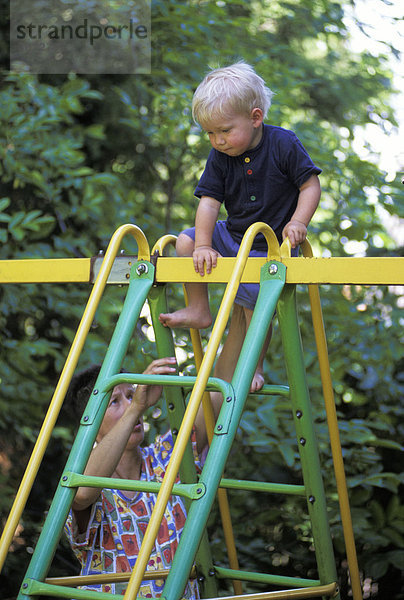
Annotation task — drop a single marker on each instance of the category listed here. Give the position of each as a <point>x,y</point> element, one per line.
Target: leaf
<point>4,203</point>
<point>378,568</point>
<point>390,481</point>
<point>288,454</point>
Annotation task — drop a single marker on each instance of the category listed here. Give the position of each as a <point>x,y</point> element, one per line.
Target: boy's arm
<point>205,221</point>
<point>309,197</point>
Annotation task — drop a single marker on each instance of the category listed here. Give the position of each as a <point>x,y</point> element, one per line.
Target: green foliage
<point>80,155</point>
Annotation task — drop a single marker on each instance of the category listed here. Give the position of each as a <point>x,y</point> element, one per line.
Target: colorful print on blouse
<point>117,525</point>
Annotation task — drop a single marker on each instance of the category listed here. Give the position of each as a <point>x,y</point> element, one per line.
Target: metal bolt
<point>86,418</point>
<point>312,499</point>
<point>171,406</point>
<point>299,414</point>
<point>175,431</point>
<point>122,252</point>
<point>100,252</point>
<point>199,491</point>
<point>64,478</point>
<point>24,586</point>
<point>95,392</point>
<point>142,269</point>
<point>219,427</point>
<point>302,441</point>
<point>211,572</point>
<point>201,578</point>
<point>272,269</point>
<point>228,399</point>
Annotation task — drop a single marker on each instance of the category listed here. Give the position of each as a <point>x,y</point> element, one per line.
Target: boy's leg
<point>227,361</point>
<point>197,314</point>
<point>258,379</point>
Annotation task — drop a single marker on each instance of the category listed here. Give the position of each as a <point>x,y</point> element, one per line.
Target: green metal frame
<point>140,287</point>
<point>222,440</point>
<point>271,290</point>
<point>199,494</point>
<point>142,276</point>
<point>306,438</point>
<point>175,399</point>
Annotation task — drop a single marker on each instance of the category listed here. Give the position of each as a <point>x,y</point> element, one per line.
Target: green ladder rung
<point>185,381</point>
<point>32,587</point>
<point>263,486</point>
<point>192,491</point>
<point>37,588</point>
<point>273,390</point>
<point>281,580</point>
<point>106,385</point>
<point>73,480</point>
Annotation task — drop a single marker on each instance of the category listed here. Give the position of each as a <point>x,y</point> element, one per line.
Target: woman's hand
<point>148,395</point>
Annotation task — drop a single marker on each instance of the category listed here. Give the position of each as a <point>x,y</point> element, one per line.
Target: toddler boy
<point>261,173</point>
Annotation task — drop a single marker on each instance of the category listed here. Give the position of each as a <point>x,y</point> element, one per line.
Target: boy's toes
<point>257,382</point>
<point>163,319</point>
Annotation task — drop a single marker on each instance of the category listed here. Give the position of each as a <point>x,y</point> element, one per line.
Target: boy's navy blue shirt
<point>260,185</point>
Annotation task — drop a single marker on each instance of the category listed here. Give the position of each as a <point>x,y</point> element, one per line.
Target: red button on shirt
<point>249,172</point>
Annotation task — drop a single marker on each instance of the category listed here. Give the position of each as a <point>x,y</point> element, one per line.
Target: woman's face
<point>120,400</point>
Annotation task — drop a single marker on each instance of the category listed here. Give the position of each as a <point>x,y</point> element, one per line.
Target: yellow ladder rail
<point>224,507</point>
<point>332,421</point>
<point>64,381</point>
<point>195,399</point>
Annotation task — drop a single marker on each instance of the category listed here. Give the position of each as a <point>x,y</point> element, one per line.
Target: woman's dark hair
<point>80,390</point>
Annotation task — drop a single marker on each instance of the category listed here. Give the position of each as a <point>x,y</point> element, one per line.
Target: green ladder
<point>199,493</point>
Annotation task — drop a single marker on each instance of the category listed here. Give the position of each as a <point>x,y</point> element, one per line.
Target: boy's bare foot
<point>257,381</point>
<point>186,317</point>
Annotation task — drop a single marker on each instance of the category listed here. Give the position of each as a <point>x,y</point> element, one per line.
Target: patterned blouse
<point>117,525</point>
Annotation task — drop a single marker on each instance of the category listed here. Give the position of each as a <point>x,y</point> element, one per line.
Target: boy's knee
<point>185,245</point>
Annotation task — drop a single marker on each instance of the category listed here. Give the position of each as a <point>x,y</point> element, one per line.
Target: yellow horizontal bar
<point>329,590</point>
<point>109,578</point>
<point>47,270</point>
<point>334,270</point>
<point>346,270</point>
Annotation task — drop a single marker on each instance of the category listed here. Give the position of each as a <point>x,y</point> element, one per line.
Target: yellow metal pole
<point>369,270</point>
<point>64,381</point>
<point>223,501</point>
<point>335,442</point>
<point>48,270</point>
<point>329,590</point>
<point>334,270</point>
<point>76,580</point>
<point>195,399</point>
<point>222,498</point>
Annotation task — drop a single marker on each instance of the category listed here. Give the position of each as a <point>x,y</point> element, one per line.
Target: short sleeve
<point>212,181</point>
<point>82,541</point>
<point>294,160</point>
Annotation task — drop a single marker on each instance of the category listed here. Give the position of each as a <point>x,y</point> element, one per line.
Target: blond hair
<point>234,89</point>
